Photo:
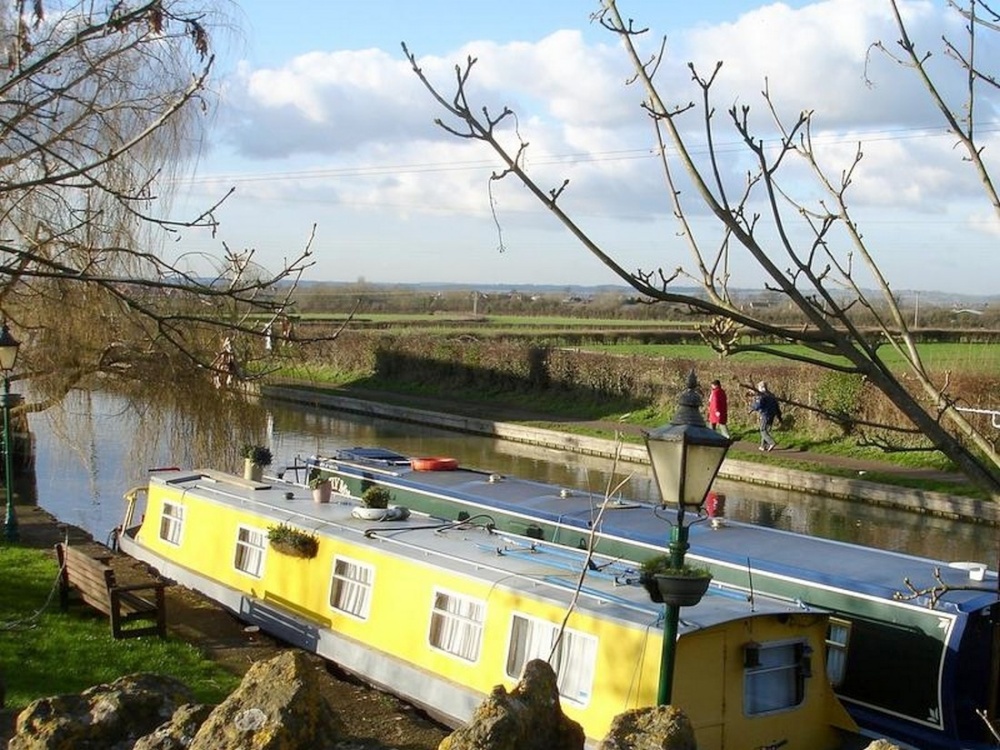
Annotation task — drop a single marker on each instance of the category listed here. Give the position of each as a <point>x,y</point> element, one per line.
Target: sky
<point>322,123</point>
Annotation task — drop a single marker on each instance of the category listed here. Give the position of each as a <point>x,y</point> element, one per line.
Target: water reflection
<point>82,480</point>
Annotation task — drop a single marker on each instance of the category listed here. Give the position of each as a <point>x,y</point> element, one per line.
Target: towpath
<point>870,481</point>
<point>499,411</point>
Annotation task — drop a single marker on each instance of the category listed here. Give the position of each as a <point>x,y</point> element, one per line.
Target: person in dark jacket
<point>768,409</point>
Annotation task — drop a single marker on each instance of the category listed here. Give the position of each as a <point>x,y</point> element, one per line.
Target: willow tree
<point>759,217</point>
<point>101,105</point>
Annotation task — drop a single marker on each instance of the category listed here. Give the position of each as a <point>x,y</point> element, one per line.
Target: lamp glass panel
<point>8,356</point>
<point>701,466</point>
<point>666,457</point>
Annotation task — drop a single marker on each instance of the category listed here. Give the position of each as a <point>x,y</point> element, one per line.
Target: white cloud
<point>325,103</point>
<point>353,130</point>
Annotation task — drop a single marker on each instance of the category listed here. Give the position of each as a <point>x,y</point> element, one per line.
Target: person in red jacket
<point>718,409</point>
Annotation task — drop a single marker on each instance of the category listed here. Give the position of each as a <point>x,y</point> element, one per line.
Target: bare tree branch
<point>99,105</point>
<point>819,276</point>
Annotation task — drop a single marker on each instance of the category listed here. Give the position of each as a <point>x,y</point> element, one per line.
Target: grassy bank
<point>46,652</point>
<point>802,451</point>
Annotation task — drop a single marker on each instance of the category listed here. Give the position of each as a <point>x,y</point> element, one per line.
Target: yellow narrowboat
<point>439,612</point>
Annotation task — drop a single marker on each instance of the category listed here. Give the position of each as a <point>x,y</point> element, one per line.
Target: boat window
<point>172,523</point>
<point>572,656</point>
<point>457,625</point>
<point>777,681</point>
<point>250,546</point>
<point>838,638</point>
<point>350,590</point>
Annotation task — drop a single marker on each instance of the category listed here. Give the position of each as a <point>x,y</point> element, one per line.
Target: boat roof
<point>874,572</point>
<point>610,588</point>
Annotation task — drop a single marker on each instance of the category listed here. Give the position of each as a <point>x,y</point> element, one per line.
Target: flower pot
<point>682,591</point>
<point>392,513</point>
<point>370,514</point>
<point>253,472</point>
<point>322,493</point>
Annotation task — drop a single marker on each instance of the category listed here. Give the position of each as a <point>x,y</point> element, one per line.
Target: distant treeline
<point>319,298</point>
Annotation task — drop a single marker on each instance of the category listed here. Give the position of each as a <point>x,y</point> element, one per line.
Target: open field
<point>955,357</point>
<point>978,353</point>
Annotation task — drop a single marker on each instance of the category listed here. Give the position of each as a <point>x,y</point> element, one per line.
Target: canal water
<point>86,460</point>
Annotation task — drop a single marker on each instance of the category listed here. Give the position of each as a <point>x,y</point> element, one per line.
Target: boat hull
<point>447,703</point>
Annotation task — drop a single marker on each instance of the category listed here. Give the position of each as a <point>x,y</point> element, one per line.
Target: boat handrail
<point>602,596</point>
<point>618,570</point>
<point>566,557</point>
<point>556,556</point>
<point>544,579</point>
<point>362,467</point>
<point>315,524</point>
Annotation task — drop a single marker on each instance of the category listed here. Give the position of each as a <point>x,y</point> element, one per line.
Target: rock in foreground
<point>279,704</point>
<point>100,717</point>
<point>654,728</point>
<point>528,718</point>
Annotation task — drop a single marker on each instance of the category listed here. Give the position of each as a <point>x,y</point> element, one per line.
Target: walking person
<point>768,409</point>
<point>718,409</point>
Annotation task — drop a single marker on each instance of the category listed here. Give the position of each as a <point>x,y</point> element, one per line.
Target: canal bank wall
<point>844,488</point>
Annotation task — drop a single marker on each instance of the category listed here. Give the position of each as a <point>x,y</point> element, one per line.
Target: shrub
<point>258,454</point>
<point>662,565</point>
<point>376,496</point>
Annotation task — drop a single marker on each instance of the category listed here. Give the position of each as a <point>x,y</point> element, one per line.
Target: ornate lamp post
<point>8,356</point>
<point>685,455</point>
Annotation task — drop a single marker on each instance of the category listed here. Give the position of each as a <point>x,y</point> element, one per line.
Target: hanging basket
<point>306,549</point>
<point>652,587</point>
<point>681,590</point>
<point>292,542</point>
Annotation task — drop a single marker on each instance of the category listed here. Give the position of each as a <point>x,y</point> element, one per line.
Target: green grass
<point>957,357</point>
<point>46,652</point>
<point>507,321</point>
<point>553,321</point>
<point>468,400</point>
<point>558,405</point>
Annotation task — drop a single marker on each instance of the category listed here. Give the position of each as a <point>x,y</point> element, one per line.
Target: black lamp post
<point>685,455</point>
<point>8,357</point>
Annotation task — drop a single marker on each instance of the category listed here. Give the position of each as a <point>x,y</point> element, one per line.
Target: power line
<point>376,170</point>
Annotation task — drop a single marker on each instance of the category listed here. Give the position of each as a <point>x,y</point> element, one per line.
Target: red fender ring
<point>436,463</point>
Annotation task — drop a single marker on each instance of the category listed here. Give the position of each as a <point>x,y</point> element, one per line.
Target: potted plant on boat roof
<point>291,541</point>
<point>319,483</point>
<point>376,496</point>
<point>683,587</point>
<point>255,458</point>
<point>374,503</point>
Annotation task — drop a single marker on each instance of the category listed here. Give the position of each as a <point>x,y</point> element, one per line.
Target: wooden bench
<point>93,580</point>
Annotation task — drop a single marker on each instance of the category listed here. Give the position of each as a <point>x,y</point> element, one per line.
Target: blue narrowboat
<point>913,648</point>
